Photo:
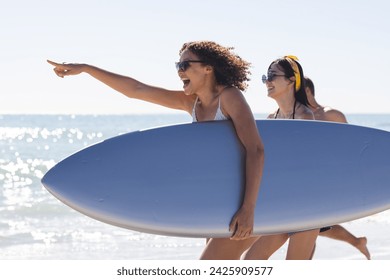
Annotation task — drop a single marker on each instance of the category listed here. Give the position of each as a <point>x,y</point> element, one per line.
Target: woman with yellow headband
<point>285,84</point>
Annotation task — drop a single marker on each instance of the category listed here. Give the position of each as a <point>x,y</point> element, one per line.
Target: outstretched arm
<point>128,86</point>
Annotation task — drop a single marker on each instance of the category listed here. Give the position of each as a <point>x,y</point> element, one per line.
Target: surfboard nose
<point>46,179</point>
<point>51,179</point>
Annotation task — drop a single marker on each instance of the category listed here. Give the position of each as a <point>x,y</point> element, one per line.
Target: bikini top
<point>219,116</point>
<point>293,115</point>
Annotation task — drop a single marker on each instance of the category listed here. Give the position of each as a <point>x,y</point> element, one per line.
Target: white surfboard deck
<point>187,180</point>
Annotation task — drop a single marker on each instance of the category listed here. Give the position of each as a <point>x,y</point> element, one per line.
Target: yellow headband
<point>292,60</point>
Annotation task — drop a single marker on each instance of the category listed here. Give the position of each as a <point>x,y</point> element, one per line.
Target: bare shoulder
<point>305,113</point>
<point>233,102</point>
<point>231,94</point>
<point>334,115</point>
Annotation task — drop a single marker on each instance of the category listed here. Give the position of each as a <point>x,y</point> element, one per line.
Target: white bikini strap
<point>194,118</point>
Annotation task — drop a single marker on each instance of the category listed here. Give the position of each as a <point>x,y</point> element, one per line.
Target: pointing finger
<point>53,63</point>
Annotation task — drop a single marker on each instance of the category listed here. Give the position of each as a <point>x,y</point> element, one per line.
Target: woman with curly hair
<point>213,78</point>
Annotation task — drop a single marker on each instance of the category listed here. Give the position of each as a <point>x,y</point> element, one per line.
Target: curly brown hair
<point>229,68</point>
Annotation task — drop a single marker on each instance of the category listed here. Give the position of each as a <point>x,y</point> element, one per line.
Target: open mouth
<point>185,82</point>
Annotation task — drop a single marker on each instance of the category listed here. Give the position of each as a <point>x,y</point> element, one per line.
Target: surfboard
<point>187,179</point>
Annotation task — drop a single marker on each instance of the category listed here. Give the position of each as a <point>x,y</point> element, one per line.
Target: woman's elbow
<point>257,152</point>
<point>260,152</point>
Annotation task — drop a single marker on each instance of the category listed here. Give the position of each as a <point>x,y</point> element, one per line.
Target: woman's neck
<point>208,97</point>
<point>286,107</point>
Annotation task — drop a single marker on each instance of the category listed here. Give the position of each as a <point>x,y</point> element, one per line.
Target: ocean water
<point>35,225</point>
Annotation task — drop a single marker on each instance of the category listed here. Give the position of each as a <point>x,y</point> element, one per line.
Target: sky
<point>342,45</point>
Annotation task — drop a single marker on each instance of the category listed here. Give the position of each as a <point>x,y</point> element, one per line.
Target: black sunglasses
<point>270,77</point>
<point>183,66</point>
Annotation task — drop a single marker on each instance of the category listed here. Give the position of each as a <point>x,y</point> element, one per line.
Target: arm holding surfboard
<point>246,130</point>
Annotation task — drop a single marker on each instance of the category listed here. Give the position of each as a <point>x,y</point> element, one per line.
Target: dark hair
<point>309,83</point>
<point>229,68</point>
<point>285,66</point>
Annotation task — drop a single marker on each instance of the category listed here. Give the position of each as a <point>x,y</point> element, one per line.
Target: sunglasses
<point>183,66</point>
<point>270,77</point>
